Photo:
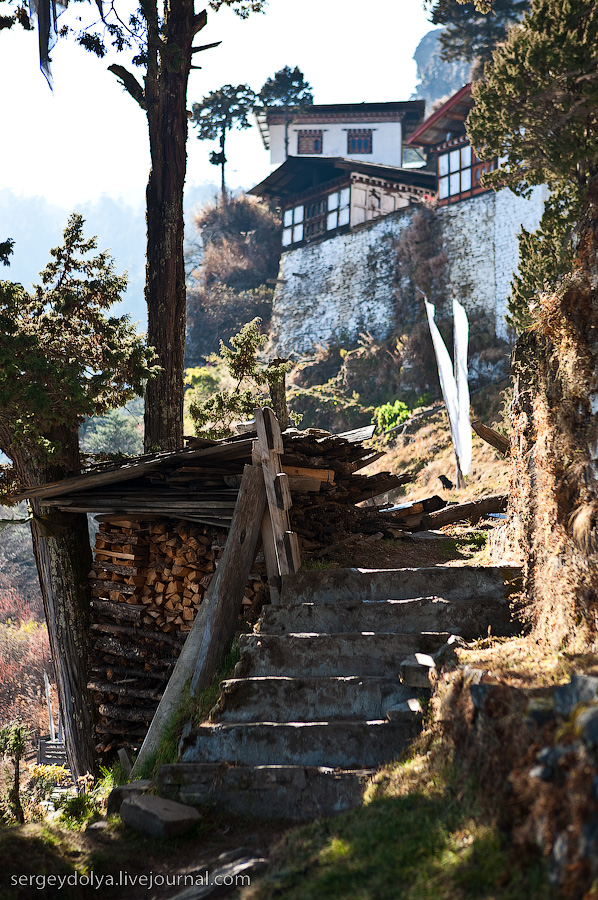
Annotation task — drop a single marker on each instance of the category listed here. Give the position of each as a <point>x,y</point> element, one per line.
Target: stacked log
<point>330,515</point>
<point>182,561</point>
<point>147,582</point>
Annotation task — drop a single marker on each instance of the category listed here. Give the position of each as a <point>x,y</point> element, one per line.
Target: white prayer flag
<point>455,392</point>
<point>461,331</point>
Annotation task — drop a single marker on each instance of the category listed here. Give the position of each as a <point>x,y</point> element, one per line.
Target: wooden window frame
<point>360,134</point>
<point>446,179</point>
<point>310,138</point>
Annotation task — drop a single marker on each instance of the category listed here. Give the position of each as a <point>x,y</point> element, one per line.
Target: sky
<point>89,138</point>
<point>84,146</point>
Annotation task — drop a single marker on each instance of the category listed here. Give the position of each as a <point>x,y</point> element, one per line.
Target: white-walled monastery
<point>348,179</point>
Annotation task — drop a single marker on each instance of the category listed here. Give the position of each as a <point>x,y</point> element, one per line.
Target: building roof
<point>298,174</point>
<point>201,482</point>
<point>410,112</point>
<point>448,119</point>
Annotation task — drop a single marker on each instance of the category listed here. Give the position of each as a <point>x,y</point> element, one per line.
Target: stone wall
<point>511,213</point>
<point>330,291</point>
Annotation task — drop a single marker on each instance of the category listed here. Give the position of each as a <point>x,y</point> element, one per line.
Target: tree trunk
<point>15,794</point>
<point>222,164</point>
<point>63,556</point>
<point>169,61</point>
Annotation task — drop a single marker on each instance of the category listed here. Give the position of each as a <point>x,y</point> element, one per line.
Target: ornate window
<point>314,218</point>
<point>359,140</point>
<point>454,172</point>
<point>309,141</point>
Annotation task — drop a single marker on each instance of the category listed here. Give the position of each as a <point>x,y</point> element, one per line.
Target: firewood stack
<point>147,582</point>
<point>182,561</point>
<point>330,515</point>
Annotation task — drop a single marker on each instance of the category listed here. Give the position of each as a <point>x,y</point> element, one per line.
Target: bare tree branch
<point>130,84</point>
<point>205,47</point>
<point>200,21</point>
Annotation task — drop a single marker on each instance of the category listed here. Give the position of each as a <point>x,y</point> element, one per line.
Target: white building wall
<point>336,288</point>
<point>511,214</point>
<point>386,141</point>
<point>333,289</point>
<point>468,238</point>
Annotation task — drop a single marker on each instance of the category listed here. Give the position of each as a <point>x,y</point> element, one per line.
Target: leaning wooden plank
<point>268,545</point>
<point>492,437</point>
<point>216,620</point>
<point>475,509</point>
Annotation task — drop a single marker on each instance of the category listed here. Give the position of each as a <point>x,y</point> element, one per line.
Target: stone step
<point>283,699</point>
<point>470,618</point>
<point>300,793</point>
<point>295,655</point>
<point>346,744</point>
<point>405,711</point>
<point>449,582</point>
<point>416,670</point>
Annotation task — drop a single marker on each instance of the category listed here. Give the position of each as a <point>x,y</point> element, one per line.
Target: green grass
<point>429,843</point>
<point>464,546</point>
<point>79,811</point>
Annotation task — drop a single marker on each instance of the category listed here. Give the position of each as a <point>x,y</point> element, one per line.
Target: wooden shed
<point>163,521</point>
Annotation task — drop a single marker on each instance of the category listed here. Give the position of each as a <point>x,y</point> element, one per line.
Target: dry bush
<point>241,249</point>
<point>24,655</point>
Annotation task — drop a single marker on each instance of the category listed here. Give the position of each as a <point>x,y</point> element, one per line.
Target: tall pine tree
<point>288,90</point>
<point>537,111</point>
<point>227,108</point>
<point>473,30</point>
<point>63,357</point>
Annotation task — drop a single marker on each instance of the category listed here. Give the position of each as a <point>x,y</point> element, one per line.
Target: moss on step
<point>191,709</point>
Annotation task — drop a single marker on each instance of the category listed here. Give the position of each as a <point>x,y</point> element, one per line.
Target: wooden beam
<point>326,475</point>
<point>474,510</point>
<point>268,546</point>
<point>270,447</point>
<point>491,436</point>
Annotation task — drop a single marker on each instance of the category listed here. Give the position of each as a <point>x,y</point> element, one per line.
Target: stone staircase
<point>328,688</point>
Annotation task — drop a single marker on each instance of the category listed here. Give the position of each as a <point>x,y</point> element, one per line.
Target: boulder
<point>157,816</point>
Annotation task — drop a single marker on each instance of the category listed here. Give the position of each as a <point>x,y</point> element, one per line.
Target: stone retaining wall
<point>331,290</point>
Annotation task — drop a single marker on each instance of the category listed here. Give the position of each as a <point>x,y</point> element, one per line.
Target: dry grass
<point>429,452</point>
<point>522,662</point>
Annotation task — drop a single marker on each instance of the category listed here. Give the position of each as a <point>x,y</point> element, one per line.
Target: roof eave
<point>417,138</point>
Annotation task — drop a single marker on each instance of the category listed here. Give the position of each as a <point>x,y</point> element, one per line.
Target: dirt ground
<point>454,545</point>
<point>126,855</point>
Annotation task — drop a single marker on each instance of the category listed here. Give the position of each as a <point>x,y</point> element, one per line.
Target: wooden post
<point>278,495</point>
<point>216,620</point>
<point>274,580</point>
